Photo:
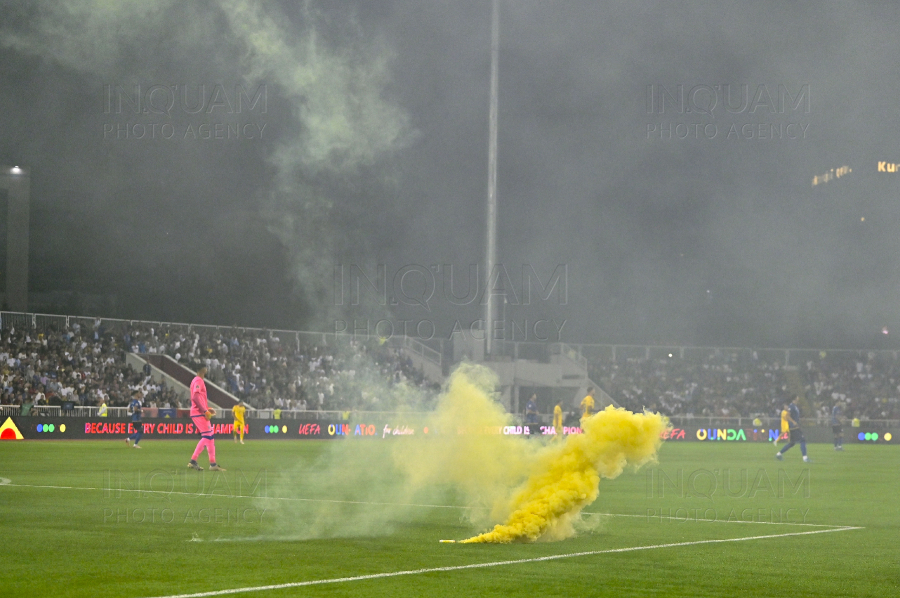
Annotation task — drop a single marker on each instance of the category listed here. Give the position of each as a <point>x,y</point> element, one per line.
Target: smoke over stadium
<point>675,189</point>
<point>431,297</point>
<point>316,109</point>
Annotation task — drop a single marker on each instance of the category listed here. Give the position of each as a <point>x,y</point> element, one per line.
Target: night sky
<point>253,163</point>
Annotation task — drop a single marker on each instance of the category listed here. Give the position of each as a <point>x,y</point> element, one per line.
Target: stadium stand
<point>740,383</point>
<point>51,362</point>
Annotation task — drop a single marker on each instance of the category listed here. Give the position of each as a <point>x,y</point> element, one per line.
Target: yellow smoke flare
<point>469,454</point>
<point>468,457</point>
<point>566,477</point>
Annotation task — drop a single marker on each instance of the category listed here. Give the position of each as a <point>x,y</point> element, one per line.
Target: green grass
<point>205,532</point>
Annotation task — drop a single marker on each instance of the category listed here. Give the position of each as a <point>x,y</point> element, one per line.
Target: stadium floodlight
<point>16,181</point>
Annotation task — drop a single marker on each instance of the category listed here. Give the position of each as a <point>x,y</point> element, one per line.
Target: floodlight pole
<point>491,244</point>
<point>17,183</point>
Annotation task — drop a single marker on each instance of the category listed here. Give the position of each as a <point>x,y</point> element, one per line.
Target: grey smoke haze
<point>375,146</point>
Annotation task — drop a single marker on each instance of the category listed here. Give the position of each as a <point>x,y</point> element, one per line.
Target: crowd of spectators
<point>723,383</point>
<point>84,364</point>
<point>868,382</point>
<point>268,370</point>
<point>78,365</point>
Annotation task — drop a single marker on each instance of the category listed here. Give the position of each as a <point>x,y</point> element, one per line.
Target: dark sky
<point>656,158</point>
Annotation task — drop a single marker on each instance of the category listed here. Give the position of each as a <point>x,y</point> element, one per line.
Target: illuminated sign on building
<point>834,173</point>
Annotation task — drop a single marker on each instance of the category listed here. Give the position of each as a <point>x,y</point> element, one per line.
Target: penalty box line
<point>300,584</point>
<point>392,504</point>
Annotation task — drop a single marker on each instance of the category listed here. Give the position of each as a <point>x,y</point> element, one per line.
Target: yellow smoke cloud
<point>538,489</point>
<point>467,453</point>
<point>565,478</point>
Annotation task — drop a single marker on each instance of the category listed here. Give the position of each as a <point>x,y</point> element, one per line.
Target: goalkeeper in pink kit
<point>200,415</point>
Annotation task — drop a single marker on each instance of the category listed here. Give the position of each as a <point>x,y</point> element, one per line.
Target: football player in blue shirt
<point>795,434</point>
<point>136,408</point>
<point>837,428</point>
<point>531,410</point>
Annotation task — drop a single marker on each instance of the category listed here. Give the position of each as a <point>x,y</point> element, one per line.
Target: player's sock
<point>199,449</point>
<point>211,449</point>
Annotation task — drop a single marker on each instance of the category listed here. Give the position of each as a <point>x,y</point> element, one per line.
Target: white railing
<point>570,353</point>
<point>515,349</point>
<point>420,348</point>
<point>58,411</point>
<point>329,415</point>
<point>266,415</point>
<point>772,422</point>
<point>10,410</point>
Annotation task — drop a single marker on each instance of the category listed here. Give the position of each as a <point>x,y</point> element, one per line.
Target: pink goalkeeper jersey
<point>198,396</point>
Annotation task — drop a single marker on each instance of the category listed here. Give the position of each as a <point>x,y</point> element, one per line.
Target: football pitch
<point>710,519</point>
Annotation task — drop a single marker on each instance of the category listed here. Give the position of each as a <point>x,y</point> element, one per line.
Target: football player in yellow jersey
<point>785,425</point>
<point>239,425</point>
<point>587,403</point>
<point>557,421</point>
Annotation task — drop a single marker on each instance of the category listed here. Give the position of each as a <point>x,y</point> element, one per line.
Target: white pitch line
<point>299,584</point>
<point>701,520</point>
<point>328,500</point>
<point>393,504</point>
